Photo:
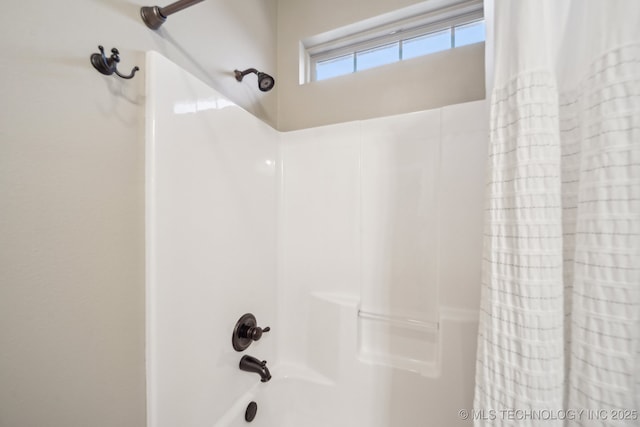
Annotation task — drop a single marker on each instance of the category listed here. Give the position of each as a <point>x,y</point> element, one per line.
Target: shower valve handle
<point>255,332</point>
<point>246,331</point>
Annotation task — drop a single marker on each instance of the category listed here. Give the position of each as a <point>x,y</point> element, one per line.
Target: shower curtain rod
<point>155,16</point>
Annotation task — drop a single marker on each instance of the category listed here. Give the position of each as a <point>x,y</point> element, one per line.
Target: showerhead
<point>265,81</point>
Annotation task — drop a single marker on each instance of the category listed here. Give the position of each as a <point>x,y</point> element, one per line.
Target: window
<point>469,33</point>
<point>403,39</point>
<point>424,45</point>
<point>334,67</point>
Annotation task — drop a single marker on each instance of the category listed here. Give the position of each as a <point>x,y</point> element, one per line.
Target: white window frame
<point>418,25</point>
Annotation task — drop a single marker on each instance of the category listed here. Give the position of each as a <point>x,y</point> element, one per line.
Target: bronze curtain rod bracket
<point>155,16</point>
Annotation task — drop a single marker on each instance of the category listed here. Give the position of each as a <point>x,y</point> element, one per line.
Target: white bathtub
<point>287,402</point>
<point>358,392</point>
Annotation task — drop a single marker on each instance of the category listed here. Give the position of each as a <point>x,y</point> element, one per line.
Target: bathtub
<point>360,391</point>
<point>304,400</point>
<point>287,401</point>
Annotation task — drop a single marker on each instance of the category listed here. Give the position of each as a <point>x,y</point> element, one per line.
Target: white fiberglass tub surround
<point>357,243</point>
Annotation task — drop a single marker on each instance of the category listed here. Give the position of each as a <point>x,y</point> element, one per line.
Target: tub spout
<point>251,364</point>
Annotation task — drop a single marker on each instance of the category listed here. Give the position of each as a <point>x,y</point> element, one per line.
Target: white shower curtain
<point>559,337</point>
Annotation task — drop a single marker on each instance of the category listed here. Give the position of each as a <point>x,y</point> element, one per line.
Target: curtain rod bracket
<point>152,17</point>
<point>155,16</point>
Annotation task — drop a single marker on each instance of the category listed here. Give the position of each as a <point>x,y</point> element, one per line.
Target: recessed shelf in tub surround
<point>336,322</point>
<point>338,298</point>
<point>403,321</point>
<point>399,342</point>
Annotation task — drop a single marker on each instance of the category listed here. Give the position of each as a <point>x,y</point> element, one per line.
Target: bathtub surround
<point>560,317</point>
<point>381,213</point>
<point>366,329</point>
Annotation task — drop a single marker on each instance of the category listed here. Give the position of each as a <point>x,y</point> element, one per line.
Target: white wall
<point>211,224</point>
<point>423,83</point>
<point>72,193</point>
<point>387,212</point>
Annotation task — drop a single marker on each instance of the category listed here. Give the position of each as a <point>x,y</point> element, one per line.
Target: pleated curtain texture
<point>559,333</point>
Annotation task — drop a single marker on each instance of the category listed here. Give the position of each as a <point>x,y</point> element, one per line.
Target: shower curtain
<point>559,333</point>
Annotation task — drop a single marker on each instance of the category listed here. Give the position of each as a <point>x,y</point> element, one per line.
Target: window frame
<point>398,31</point>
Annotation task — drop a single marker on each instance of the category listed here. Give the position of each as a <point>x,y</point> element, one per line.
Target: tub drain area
<point>251,411</point>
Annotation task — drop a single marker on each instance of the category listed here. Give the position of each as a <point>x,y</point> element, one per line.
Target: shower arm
<point>155,16</point>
